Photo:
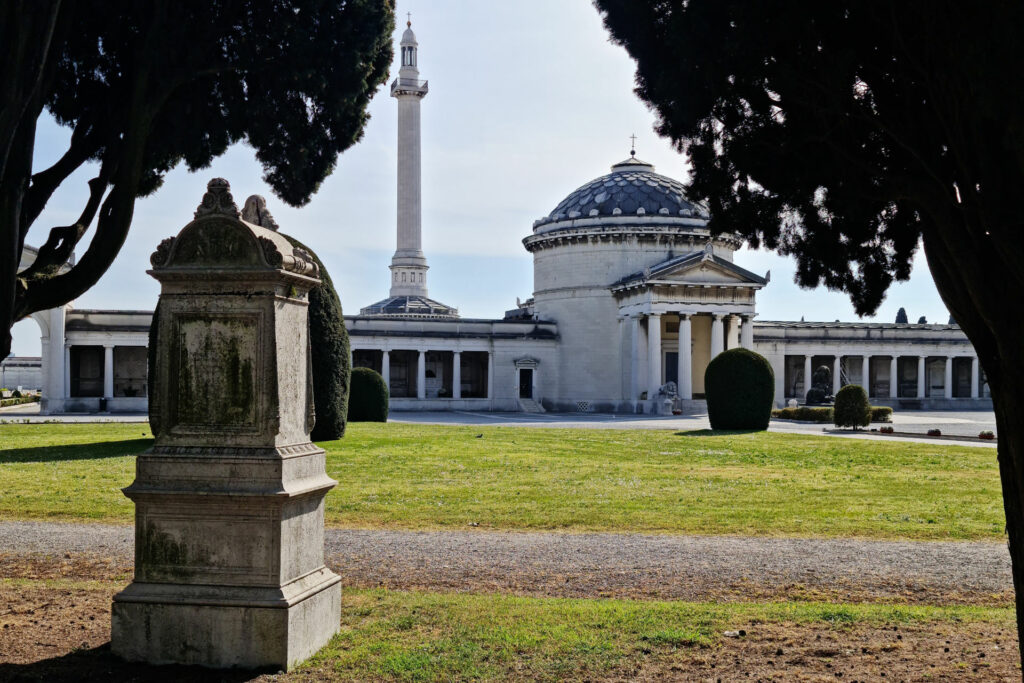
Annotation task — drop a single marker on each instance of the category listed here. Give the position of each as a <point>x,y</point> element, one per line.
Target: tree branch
<point>85,142</point>
<point>57,249</point>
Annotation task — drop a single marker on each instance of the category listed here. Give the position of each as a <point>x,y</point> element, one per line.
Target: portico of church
<point>661,346</point>
<point>677,316</point>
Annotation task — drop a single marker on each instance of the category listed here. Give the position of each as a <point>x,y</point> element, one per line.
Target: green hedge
<point>881,414</point>
<point>805,413</point>
<point>368,399</point>
<point>739,386</point>
<point>330,355</point>
<point>852,408</point>
<point>18,400</point>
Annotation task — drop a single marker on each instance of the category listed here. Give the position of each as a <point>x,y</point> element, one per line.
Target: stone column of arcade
<point>229,501</point>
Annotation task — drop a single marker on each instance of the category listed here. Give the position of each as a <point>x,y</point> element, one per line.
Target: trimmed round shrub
<point>368,397</point>
<point>329,356</point>
<point>852,408</point>
<point>739,386</point>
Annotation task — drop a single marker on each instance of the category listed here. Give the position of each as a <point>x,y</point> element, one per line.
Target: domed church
<point>632,298</point>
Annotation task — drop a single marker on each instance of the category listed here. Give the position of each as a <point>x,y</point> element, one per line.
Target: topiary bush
<point>881,414</point>
<point>329,355</point>
<point>739,386</point>
<point>368,397</point>
<point>852,408</point>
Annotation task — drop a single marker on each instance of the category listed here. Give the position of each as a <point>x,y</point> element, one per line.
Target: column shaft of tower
<point>409,177</point>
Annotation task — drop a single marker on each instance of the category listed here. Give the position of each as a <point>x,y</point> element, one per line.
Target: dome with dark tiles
<point>631,189</point>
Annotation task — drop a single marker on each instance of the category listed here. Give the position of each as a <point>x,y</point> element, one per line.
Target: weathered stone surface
<point>229,567</point>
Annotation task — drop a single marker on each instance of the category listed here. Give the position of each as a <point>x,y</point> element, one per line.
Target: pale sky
<point>528,101</point>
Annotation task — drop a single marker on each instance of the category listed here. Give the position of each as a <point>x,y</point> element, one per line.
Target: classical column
<point>949,377</point>
<point>685,366</point>
<point>456,374</point>
<point>865,374</point>
<point>893,378</point>
<point>108,371</point>
<point>717,334</point>
<point>385,368</point>
<point>635,381</point>
<point>920,376</point>
<point>807,375</point>
<point>747,332</point>
<point>490,374</point>
<point>67,371</point>
<point>975,378</point>
<point>653,354</point>
<point>421,375</point>
<point>837,372</point>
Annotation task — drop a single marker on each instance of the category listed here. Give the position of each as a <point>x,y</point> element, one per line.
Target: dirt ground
<point>58,634</point>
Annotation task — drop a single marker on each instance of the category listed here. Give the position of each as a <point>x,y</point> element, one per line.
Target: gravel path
<point>604,565</point>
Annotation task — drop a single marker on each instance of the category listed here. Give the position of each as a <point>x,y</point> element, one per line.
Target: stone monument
<point>229,501</point>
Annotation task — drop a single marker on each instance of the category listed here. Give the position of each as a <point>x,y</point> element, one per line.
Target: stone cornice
<point>575,233</point>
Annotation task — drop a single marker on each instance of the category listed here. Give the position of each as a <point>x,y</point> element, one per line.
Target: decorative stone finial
<point>218,200</point>
<point>255,211</point>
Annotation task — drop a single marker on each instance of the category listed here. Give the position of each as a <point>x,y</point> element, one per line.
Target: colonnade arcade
<point>893,376</point>
<point>430,373</point>
<point>654,346</point>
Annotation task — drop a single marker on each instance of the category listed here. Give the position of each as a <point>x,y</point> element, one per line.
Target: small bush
<point>804,414</point>
<point>15,394</point>
<point>885,430</point>
<point>934,432</point>
<point>852,408</point>
<point>368,397</point>
<point>881,414</point>
<point>739,386</point>
<point>987,434</point>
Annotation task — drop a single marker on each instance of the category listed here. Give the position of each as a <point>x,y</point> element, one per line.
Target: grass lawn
<point>428,636</point>
<point>431,477</point>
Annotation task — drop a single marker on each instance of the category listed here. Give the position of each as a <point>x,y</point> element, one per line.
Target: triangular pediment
<point>699,268</point>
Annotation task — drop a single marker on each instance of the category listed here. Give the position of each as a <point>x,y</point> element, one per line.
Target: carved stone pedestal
<point>229,568</point>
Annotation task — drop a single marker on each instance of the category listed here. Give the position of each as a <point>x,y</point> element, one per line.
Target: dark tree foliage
<point>901,316</point>
<point>330,356</point>
<point>368,400</point>
<point>739,386</point>
<point>145,86</point>
<point>922,320</point>
<point>852,407</point>
<point>846,133</point>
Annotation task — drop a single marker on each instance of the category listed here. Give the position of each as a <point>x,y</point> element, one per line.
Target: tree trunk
<point>1011,473</point>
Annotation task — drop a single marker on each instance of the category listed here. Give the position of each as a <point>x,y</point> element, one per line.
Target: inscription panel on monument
<point>217,379</point>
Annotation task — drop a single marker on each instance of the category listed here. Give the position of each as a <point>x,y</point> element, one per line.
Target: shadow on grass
<point>719,432</point>
<point>84,451</point>
<point>100,664</point>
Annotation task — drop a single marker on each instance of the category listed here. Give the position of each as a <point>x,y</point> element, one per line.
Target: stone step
<point>528,405</point>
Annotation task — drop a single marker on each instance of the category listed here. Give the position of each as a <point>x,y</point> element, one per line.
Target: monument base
<point>227,626</point>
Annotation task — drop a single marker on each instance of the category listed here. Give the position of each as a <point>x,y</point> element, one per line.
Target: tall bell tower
<point>409,265</point>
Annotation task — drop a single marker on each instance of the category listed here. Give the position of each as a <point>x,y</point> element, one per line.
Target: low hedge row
<point>804,413</point>
<point>825,414</point>
<point>18,401</point>
<point>881,414</point>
